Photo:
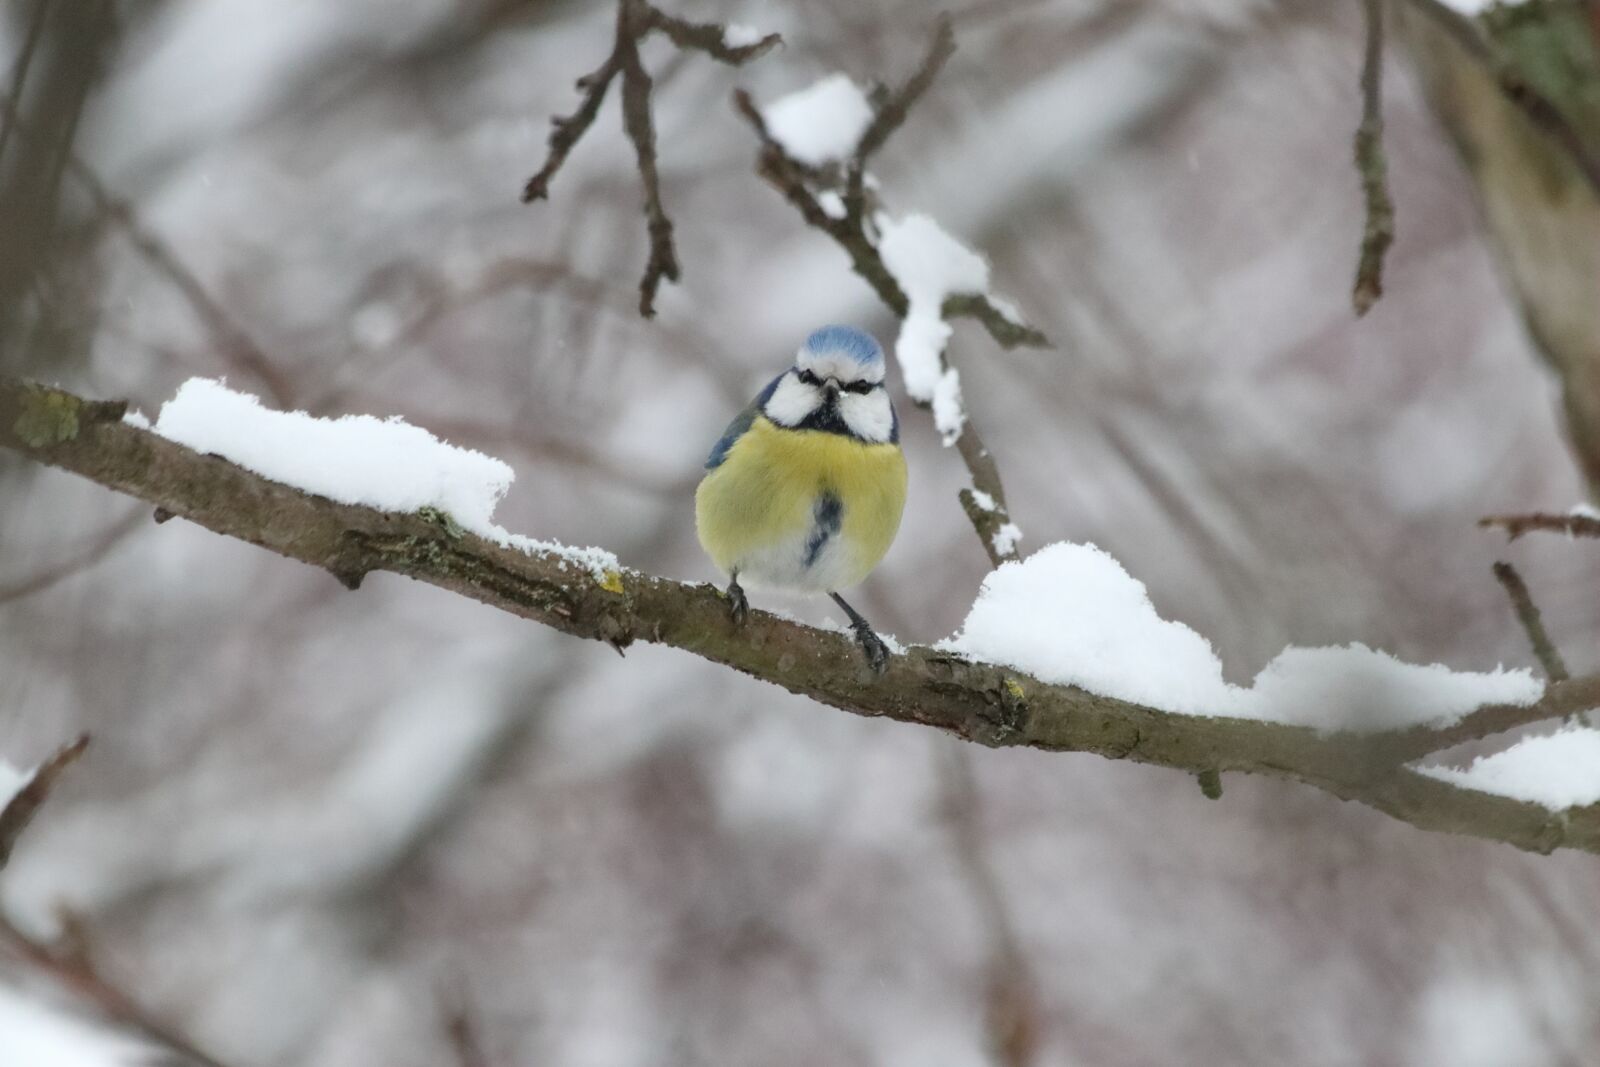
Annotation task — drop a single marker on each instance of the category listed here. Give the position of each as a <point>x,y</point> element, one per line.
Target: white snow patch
<point>930,265</point>
<point>135,417</point>
<point>1559,770</point>
<point>13,780</point>
<point>1005,539</point>
<point>822,122</point>
<point>948,414</point>
<point>738,35</point>
<point>1070,614</point>
<point>831,203</point>
<point>983,500</point>
<point>356,459</point>
<point>34,1034</point>
<point>1584,511</point>
<point>1474,7</point>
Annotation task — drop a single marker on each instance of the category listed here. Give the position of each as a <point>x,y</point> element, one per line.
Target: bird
<point>804,490</point>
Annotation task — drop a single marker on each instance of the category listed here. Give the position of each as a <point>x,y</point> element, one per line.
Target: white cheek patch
<point>839,366</point>
<point>868,415</point>
<point>792,401</point>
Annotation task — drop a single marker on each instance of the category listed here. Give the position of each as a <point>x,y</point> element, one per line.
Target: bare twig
<point>1013,1011</point>
<point>1378,231</point>
<point>893,111</point>
<point>1528,614</point>
<point>81,560</point>
<point>985,501</point>
<point>636,19</point>
<point>980,702</point>
<point>1573,524</point>
<point>71,965</point>
<point>230,339</point>
<point>16,815</point>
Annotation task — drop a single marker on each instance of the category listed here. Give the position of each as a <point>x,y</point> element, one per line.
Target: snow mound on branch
<point>820,123</point>
<point>930,266</point>
<point>1558,771</point>
<point>356,459</point>
<point>1071,615</point>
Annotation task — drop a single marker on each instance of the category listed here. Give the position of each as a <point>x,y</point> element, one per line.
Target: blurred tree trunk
<point>63,48</point>
<point>1538,183</point>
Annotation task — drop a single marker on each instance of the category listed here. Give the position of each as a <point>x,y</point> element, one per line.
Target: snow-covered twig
<point>1573,524</point>
<point>924,276</point>
<point>943,688</point>
<point>636,20</point>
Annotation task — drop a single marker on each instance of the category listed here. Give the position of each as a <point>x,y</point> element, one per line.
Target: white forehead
<point>838,364</point>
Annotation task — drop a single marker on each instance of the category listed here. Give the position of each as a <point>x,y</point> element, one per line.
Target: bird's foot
<point>738,606</point>
<point>872,647</point>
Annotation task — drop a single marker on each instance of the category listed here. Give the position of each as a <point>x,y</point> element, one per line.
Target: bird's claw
<point>738,606</point>
<point>873,648</point>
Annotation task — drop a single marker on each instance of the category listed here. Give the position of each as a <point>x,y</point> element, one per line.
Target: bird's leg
<point>738,606</point>
<point>872,645</point>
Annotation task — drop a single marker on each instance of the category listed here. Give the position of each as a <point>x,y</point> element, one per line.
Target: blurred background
<point>395,827</point>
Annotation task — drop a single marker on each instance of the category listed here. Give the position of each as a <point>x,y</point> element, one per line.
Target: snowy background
<point>316,826</point>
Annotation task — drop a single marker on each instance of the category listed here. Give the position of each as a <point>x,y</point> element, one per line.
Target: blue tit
<point>805,489</point>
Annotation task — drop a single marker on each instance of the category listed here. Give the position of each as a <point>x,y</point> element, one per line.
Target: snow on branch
<point>636,20</point>
<point>1364,733</point>
<point>1581,521</point>
<point>815,144</point>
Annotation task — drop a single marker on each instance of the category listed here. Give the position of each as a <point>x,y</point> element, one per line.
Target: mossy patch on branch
<point>47,418</point>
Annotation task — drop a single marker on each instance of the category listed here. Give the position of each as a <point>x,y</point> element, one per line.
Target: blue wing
<point>741,422</point>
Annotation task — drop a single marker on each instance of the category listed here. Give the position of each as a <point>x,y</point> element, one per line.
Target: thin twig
<point>636,19</point>
<point>1378,231</point>
<point>894,109</point>
<point>1572,524</point>
<point>230,339</point>
<point>19,812</point>
<point>73,968</point>
<point>1013,1013</point>
<point>636,121</point>
<point>1528,614</point>
<point>82,560</point>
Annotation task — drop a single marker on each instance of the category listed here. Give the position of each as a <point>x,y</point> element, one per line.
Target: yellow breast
<point>756,512</point>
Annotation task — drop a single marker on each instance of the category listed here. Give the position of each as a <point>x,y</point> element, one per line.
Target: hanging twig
<point>1378,231</point>
<point>636,19</point>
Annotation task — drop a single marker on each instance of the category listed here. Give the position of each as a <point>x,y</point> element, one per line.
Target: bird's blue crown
<point>845,340</point>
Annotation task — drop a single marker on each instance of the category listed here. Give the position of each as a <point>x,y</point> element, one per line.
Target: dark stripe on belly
<point>825,518</point>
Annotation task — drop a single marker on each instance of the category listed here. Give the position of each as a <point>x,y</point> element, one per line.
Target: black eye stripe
<point>808,378</point>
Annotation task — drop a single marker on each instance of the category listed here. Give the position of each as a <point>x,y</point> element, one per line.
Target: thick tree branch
<point>980,702</point>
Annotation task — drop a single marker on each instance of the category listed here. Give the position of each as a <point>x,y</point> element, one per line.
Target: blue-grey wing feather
<point>741,422</point>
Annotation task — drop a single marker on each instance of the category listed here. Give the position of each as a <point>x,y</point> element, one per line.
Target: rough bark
<point>980,702</point>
